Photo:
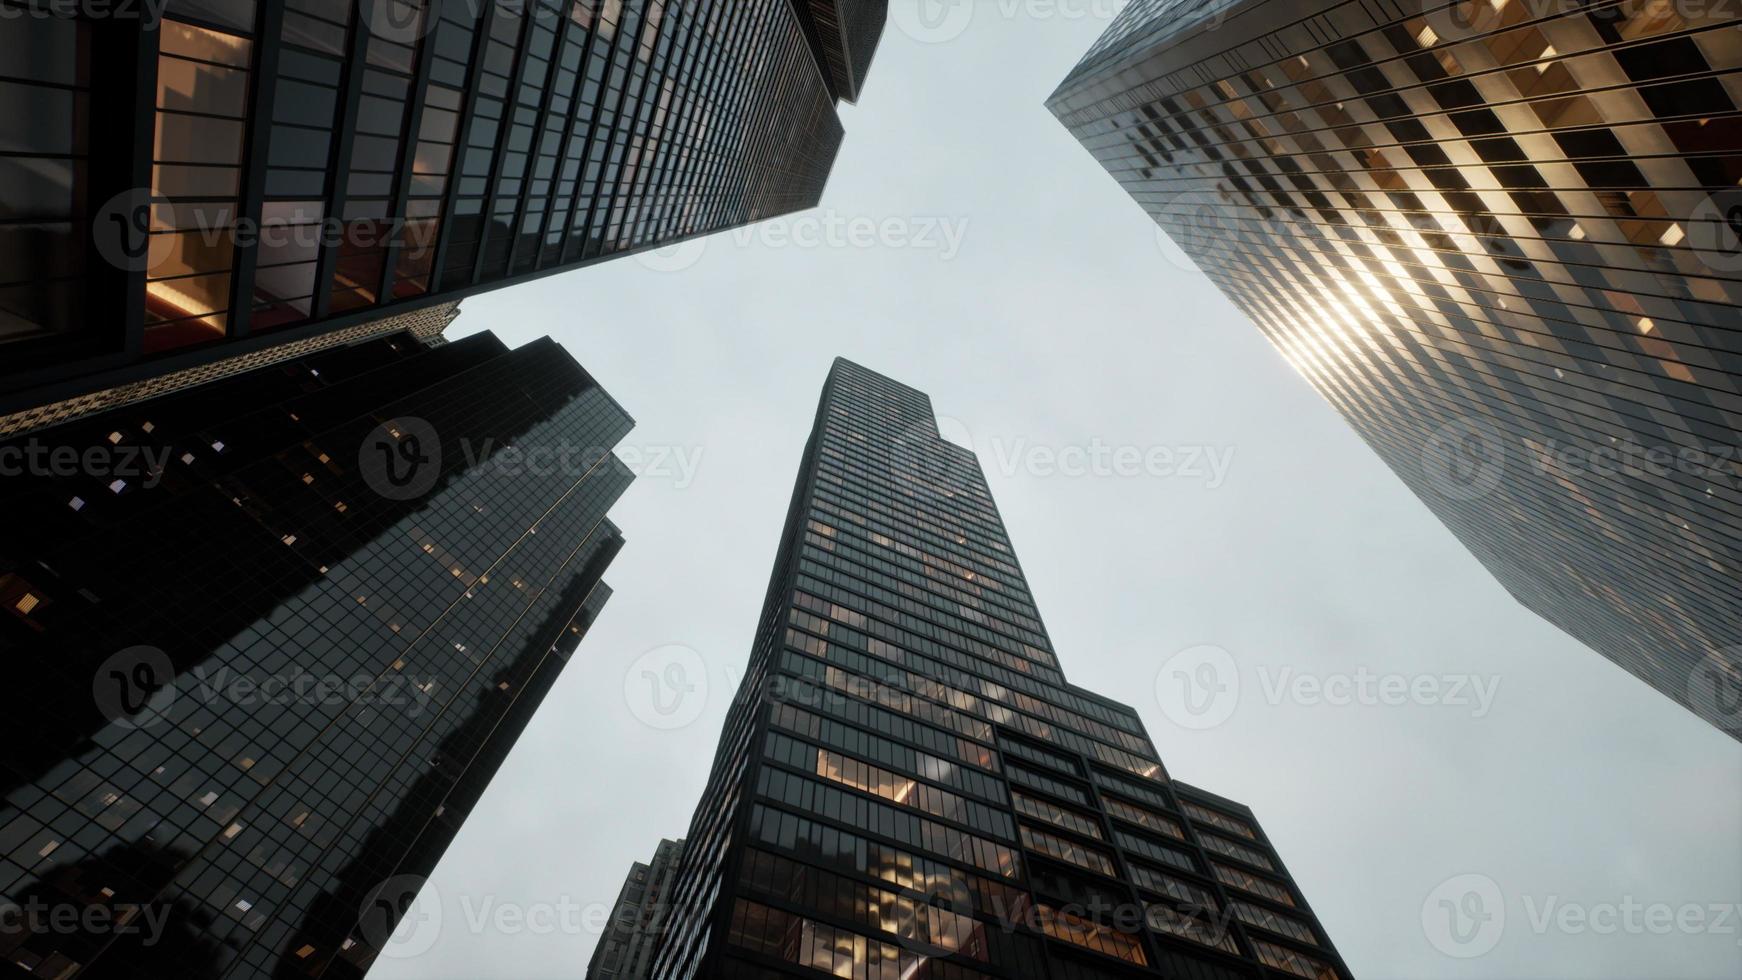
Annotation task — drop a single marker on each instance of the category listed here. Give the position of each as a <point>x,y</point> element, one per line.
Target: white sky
<point>1059,321</point>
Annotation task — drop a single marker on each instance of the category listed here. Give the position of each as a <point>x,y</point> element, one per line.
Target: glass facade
<point>908,787</point>
<point>263,171</point>
<point>266,658</point>
<point>846,33</point>
<point>1502,240</point>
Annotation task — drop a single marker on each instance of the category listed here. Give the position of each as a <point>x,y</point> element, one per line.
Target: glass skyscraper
<point>1502,240</point>
<point>252,173</point>
<point>907,787</point>
<point>267,640</point>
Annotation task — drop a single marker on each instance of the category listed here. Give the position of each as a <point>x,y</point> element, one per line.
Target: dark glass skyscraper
<point>907,787</point>
<point>267,640</point>
<point>250,173</point>
<point>1502,240</point>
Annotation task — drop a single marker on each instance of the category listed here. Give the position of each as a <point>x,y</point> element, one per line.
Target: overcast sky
<point>1170,484</point>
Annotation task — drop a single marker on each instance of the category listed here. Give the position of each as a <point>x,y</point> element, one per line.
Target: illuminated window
<point>1090,935</point>
<point>1299,964</point>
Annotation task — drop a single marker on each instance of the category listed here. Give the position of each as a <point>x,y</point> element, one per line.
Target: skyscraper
<point>267,640</point>
<point>906,785</point>
<point>251,173</point>
<point>631,937</point>
<point>1502,240</point>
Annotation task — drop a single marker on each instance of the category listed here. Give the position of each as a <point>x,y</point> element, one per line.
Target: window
<point>1264,918</point>
<point>43,175</point>
<point>1216,819</point>
<point>1222,845</point>
<point>202,102</point>
<point>1056,815</point>
<point>1299,964</point>
<point>1148,819</point>
<point>796,939</point>
<point>1081,855</point>
<point>1235,878</point>
<point>1090,935</point>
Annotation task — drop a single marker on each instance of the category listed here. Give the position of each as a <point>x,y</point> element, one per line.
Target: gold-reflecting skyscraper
<point>1501,237</point>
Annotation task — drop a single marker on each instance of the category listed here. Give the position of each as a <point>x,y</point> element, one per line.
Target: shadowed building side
<point>265,660</point>
<point>256,173</point>
<point>625,950</point>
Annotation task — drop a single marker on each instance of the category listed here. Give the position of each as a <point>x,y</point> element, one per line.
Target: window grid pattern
<point>1498,239</point>
<point>420,153</point>
<point>920,744</point>
<point>255,810</point>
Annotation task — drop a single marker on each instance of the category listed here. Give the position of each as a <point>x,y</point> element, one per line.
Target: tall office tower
<point>625,950</point>
<point>1501,240</point>
<point>267,640</point>
<point>253,173</point>
<point>907,787</point>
